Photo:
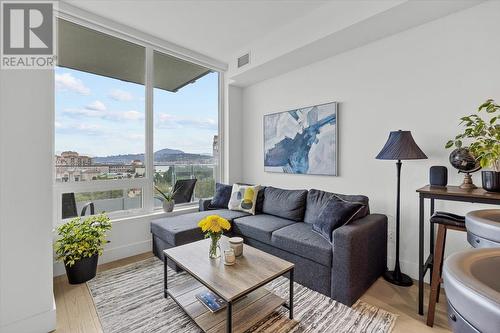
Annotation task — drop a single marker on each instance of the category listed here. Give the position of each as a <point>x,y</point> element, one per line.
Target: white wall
<point>421,80</point>
<point>26,122</point>
<point>233,122</point>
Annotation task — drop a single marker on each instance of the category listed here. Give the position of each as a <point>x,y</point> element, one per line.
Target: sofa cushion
<point>317,199</point>
<point>301,240</point>
<point>183,229</point>
<point>259,227</point>
<point>221,196</point>
<point>288,204</point>
<point>335,214</point>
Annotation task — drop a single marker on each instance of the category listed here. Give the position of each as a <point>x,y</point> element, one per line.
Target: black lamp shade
<point>401,146</point>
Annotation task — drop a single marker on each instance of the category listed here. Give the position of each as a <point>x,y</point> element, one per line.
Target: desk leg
<point>421,257</point>
<point>290,302</point>
<point>431,240</point>
<point>165,277</point>
<point>229,319</point>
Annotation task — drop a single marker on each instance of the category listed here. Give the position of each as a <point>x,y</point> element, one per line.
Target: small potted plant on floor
<point>79,245</point>
<point>484,137</point>
<point>167,198</point>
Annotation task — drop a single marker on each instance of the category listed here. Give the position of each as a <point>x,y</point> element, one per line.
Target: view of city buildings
<point>72,167</point>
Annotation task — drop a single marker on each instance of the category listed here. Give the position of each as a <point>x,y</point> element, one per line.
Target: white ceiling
<point>217,29</point>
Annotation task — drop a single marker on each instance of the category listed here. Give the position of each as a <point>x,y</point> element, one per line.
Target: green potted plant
<point>482,132</point>
<point>167,197</point>
<point>79,244</point>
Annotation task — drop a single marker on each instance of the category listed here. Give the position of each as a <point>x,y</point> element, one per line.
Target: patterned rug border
<point>154,260</point>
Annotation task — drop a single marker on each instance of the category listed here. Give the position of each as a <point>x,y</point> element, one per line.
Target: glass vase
<point>214,251</point>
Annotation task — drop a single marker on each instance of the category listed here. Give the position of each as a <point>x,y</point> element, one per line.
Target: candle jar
<point>236,243</point>
<point>229,257</point>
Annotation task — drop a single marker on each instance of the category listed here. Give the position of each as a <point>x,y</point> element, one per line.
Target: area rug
<point>130,299</point>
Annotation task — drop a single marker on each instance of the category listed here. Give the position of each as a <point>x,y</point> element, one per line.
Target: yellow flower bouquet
<point>213,226</point>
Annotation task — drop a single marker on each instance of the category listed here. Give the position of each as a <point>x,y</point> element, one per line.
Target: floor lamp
<point>400,146</point>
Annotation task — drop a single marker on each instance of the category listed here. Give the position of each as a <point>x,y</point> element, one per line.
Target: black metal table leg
<point>165,277</point>
<point>432,236</point>
<point>431,240</point>
<point>290,303</point>
<point>229,320</point>
<point>421,256</point>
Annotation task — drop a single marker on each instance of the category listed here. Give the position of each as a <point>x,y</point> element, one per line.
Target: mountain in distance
<point>173,155</point>
<point>118,159</point>
<point>163,155</point>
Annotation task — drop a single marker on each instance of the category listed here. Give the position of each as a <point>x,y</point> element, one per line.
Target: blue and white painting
<point>302,141</point>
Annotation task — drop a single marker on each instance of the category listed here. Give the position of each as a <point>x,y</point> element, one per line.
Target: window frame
<point>146,183</point>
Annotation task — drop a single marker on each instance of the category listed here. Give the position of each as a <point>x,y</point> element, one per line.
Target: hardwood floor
<point>76,312</point>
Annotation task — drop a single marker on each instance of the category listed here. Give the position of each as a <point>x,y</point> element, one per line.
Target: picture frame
<point>302,140</point>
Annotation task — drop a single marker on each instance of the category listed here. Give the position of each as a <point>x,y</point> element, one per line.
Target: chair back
<point>68,206</point>
<point>184,189</point>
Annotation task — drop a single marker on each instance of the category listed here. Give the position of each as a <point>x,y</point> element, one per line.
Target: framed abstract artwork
<point>302,141</point>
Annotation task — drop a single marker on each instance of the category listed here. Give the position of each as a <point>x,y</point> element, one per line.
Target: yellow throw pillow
<point>244,198</point>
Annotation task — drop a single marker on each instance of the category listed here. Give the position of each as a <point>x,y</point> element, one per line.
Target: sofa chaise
<point>342,269</point>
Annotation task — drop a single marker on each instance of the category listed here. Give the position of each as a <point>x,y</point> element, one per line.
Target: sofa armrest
<point>359,257</point>
<point>204,204</point>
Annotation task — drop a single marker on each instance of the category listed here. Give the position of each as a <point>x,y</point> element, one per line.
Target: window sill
<point>138,215</point>
<point>184,209</point>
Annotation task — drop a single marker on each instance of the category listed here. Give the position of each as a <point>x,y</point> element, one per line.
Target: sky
<point>100,116</point>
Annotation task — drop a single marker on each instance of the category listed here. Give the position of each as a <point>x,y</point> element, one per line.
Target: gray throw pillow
<point>288,204</point>
<point>222,196</point>
<point>335,213</point>
<point>317,199</point>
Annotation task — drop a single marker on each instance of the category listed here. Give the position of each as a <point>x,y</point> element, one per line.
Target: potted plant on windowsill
<point>80,243</point>
<point>167,198</point>
<point>484,137</point>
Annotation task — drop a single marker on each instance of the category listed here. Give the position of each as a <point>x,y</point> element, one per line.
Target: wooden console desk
<point>448,193</point>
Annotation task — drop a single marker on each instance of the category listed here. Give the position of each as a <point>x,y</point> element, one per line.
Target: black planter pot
<point>83,270</point>
<point>491,180</point>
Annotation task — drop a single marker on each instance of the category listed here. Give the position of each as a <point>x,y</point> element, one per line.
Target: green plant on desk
<point>483,135</point>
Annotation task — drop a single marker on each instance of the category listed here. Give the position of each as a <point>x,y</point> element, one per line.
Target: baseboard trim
<point>114,254</point>
<point>42,322</point>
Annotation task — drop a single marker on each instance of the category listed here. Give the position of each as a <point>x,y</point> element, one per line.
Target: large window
<point>185,126</point>
<point>99,126</point>
<point>106,153</point>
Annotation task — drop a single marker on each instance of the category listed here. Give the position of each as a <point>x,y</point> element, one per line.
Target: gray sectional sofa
<point>282,226</point>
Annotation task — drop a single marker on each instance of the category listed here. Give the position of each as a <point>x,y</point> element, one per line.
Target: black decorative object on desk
<point>491,180</point>
<point>400,146</point>
<point>438,175</point>
<point>462,160</point>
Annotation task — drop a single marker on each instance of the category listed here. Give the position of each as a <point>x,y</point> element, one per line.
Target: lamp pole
<point>396,276</point>
<point>397,270</point>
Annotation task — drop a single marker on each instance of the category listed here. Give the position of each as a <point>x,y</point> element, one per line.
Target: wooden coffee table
<point>240,285</point>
